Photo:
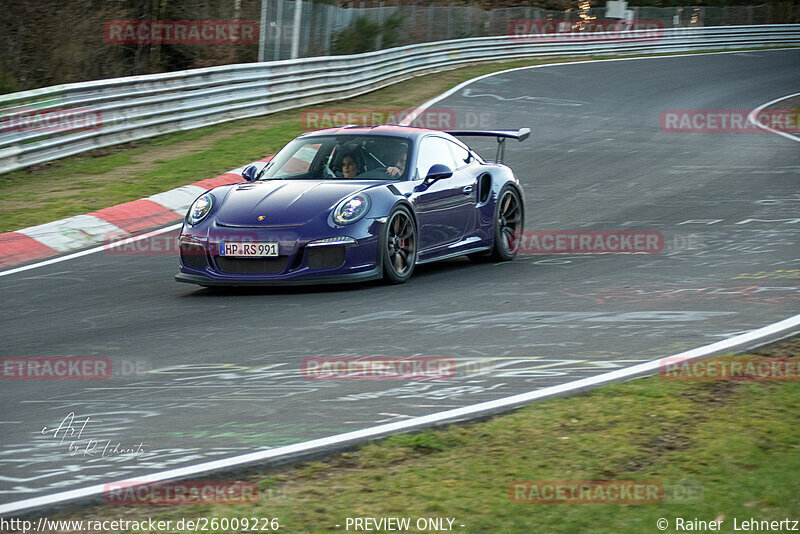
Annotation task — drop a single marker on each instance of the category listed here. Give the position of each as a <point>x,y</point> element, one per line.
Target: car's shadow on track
<point>442,269</point>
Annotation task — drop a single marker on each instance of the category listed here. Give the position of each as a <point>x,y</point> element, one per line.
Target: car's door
<point>444,208</point>
<point>465,172</point>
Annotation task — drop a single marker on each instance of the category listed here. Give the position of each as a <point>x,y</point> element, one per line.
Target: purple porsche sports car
<point>355,203</point>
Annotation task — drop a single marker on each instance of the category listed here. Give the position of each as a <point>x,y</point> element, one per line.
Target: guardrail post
<point>306,29</point>
<point>381,7</point>
<point>328,21</point>
<point>431,15</point>
<point>262,36</point>
<point>279,26</point>
<point>449,30</point>
<point>298,13</point>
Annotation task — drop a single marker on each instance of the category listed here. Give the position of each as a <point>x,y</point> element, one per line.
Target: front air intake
<point>327,257</point>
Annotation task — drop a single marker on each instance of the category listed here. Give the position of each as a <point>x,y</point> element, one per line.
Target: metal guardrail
<point>139,107</point>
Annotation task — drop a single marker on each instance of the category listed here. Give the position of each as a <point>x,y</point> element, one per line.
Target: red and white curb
<point>81,231</point>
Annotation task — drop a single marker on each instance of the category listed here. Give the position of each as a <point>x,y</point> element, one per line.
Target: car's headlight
<point>351,209</point>
<point>200,208</point>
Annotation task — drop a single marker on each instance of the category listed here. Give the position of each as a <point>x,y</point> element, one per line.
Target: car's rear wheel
<point>399,246</point>
<point>508,224</point>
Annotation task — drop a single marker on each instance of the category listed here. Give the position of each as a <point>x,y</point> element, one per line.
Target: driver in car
<point>399,165</point>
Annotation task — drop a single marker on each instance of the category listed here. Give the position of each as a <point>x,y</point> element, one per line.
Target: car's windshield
<point>341,157</point>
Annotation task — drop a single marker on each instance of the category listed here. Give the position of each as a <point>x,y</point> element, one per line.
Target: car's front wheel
<point>399,246</point>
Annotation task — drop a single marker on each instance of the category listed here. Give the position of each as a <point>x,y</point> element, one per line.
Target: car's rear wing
<point>501,135</point>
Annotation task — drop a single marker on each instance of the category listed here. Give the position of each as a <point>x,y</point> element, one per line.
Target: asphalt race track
<point>202,374</point>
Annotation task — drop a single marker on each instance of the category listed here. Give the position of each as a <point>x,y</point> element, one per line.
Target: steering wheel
<point>327,172</point>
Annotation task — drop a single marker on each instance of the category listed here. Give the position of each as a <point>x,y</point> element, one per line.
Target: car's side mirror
<point>438,172</point>
<point>250,172</point>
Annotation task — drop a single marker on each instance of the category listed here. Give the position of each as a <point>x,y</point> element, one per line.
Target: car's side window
<point>433,150</point>
<point>460,154</point>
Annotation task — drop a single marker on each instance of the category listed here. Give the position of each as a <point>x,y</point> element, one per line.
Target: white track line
<point>409,424</point>
<point>791,323</point>
<point>752,117</point>
<point>74,255</point>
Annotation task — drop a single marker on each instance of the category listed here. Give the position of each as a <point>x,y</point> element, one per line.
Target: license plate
<point>249,250</point>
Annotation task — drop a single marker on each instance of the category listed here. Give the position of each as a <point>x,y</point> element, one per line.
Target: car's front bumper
<point>302,259</point>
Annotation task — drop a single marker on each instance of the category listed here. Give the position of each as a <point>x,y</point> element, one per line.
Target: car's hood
<point>284,203</point>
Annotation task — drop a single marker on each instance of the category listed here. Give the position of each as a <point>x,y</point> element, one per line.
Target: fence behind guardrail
<point>50,123</point>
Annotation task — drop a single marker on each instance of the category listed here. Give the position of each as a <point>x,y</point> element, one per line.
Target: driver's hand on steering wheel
<point>393,171</point>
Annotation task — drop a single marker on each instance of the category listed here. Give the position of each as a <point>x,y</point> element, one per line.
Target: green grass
<point>114,175</point>
<point>735,444</point>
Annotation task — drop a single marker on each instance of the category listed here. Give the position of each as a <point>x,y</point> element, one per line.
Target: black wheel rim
<point>509,220</point>
<point>401,244</point>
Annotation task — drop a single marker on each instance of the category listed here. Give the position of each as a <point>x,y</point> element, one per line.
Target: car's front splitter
<point>373,274</point>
